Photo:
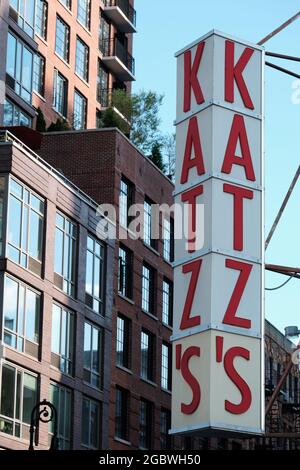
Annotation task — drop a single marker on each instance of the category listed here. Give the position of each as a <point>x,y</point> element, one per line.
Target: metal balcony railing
<point>114,47</point>
<point>126,8</point>
<point>104,96</point>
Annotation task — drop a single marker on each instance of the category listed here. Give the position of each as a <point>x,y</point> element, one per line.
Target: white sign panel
<point>218,370</point>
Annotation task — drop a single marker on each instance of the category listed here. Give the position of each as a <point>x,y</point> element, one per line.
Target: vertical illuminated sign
<point>218,369</point>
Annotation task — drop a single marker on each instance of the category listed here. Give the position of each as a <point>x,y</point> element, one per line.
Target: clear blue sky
<point>165,26</point>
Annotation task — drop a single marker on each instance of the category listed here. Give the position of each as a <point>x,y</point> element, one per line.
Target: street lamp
<point>291,331</point>
<point>45,412</point>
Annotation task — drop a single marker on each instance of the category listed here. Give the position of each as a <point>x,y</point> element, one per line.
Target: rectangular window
<point>94,282</point>
<point>80,110</point>
<point>147,355</point>
<point>123,343</point>
<point>39,74</point>
<point>18,397</point>
<point>165,425</point>
<point>166,367</point>
<point>168,239</point>
<point>61,397</point>
<point>63,339</point>
<point>103,92</point>
<point>83,13</point>
<point>167,303</point>
<point>21,314</point>
<point>60,93</point>
<point>2,208</point>
<point>122,413</point>
<point>90,435</point>
<point>65,254</point>
<point>125,272</point>
<point>25,227</point>
<point>149,223</point>
<point>14,116</point>
<point>23,12</point>
<point>92,355</point>
<point>125,201</point>
<point>148,280</point>
<point>62,44</point>
<point>104,35</point>
<point>67,3</point>
<point>146,411</point>
<point>41,18</point>
<point>82,59</point>
<point>19,67</point>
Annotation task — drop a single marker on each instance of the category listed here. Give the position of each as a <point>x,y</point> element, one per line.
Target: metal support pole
<point>279,29</point>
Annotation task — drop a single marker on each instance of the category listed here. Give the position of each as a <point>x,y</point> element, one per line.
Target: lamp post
<point>44,412</point>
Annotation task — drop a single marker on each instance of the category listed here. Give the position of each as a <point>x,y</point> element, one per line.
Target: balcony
<point>122,14</point>
<point>105,98</point>
<point>117,59</point>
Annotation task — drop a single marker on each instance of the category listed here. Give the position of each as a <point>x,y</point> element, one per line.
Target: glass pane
<point>29,396</point>
<point>94,425</point>
<point>54,398</point>
<point>68,415</point>
<point>95,350</point>
<point>60,221</point>
<point>97,277</point>
<point>55,339</point>
<point>87,346</point>
<point>27,69</point>
<point>85,438</point>
<point>21,309</point>
<point>59,238</point>
<point>8,391</point>
<point>63,346</point>
<point>35,239</point>
<point>32,316</point>
<point>89,273</point>
<point>18,395</point>
<point>90,244</point>
<point>25,228</point>
<point>14,223</point>
<point>11,55</point>
<point>10,307</point>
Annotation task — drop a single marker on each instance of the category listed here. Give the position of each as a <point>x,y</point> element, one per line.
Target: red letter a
<point>192,141</point>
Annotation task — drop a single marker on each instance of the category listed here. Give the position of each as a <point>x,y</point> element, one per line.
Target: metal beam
<point>283,56</point>
<point>282,69</point>
<point>283,205</point>
<point>279,29</point>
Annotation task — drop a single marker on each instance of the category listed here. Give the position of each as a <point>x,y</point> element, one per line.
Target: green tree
<point>110,118</point>
<point>59,125</point>
<point>156,156</point>
<point>145,120</point>
<point>40,121</point>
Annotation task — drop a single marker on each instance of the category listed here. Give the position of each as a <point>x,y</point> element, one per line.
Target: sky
<point>166,26</point>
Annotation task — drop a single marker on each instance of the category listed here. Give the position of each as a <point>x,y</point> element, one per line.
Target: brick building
<point>64,57</point>
<point>55,315</point>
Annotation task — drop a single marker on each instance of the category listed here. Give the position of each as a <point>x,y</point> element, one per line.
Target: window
<point>165,425</point>
<point>61,397</point>
<point>18,397</point>
<point>39,74</point>
<point>148,277</point>
<point>167,303</point>
<point>80,108</point>
<point>123,344</point>
<point>82,59</point>
<point>147,355</point>
<point>23,12</point>
<point>41,18</point>
<point>62,44</point>
<point>65,254</point>
<point>125,272</point>
<point>146,410</point>
<point>21,313</point>
<point>19,65</point>
<point>67,3</point>
<point>90,424</point>
<point>125,201</point>
<point>103,95</point>
<point>83,12</point>
<point>168,238</point>
<point>14,116</point>
<point>166,367</point>
<point>62,339</point>
<point>94,282</point>
<point>2,199</point>
<point>149,223</point>
<point>104,35</point>
<point>25,227</point>
<point>92,355</point>
<point>122,413</point>
<point>60,93</point>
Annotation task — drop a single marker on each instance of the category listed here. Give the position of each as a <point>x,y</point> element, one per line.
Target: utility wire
<point>283,284</point>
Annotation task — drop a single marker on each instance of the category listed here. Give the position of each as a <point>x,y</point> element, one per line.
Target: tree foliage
<point>156,156</point>
<point>40,121</point>
<point>59,125</point>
